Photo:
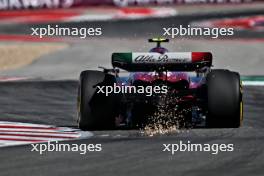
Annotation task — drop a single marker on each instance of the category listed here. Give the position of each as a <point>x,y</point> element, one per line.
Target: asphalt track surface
<point>126,152</point>
<point>129,152</point>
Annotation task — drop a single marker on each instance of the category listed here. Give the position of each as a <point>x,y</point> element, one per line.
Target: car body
<point>194,91</point>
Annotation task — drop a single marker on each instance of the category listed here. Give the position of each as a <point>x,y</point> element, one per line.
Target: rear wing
<point>171,61</point>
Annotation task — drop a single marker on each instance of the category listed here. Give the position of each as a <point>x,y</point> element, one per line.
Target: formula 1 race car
<point>174,84</point>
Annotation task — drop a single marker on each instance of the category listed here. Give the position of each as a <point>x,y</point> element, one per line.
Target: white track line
<point>253,83</point>
<point>7,79</point>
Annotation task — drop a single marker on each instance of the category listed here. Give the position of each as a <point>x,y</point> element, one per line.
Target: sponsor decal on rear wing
<point>161,58</point>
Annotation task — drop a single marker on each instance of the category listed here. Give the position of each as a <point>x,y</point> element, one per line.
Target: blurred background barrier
<point>32,4</point>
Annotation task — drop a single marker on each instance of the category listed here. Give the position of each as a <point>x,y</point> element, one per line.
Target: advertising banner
<point>33,4</point>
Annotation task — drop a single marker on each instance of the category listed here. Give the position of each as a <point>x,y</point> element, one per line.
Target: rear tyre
<point>96,111</point>
<point>224,99</point>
